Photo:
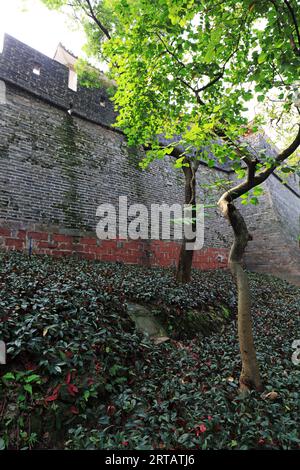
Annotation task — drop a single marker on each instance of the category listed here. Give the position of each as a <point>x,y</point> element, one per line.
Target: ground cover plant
<point>79,375</point>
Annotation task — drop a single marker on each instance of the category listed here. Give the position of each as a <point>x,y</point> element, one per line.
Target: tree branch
<point>251,164</point>
<point>97,21</point>
<point>281,26</point>
<point>169,50</point>
<point>297,50</point>
<point>182,65</point>
<point>220,74</point>
<point>253,180</point>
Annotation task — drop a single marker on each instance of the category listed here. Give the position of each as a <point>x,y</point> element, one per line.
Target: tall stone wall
<point>274,225</point>
<point>57,168</point>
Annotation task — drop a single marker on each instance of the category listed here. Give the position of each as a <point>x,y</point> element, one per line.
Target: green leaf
<point>8,376</point>
<point>262,58</point>
<point>184,437</point>
<point>254,200</point>
<point>179,162</point>
<point>258,191</point>
<point>28,388</point>
<point>32,378</point>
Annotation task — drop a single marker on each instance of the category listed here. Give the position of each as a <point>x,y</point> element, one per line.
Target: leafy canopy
<point>192,68</point>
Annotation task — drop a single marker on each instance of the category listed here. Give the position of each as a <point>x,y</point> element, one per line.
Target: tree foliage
<point>191,68</point>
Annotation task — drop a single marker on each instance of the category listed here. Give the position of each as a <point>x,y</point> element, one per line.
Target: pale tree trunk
<point>184,267</point>
<point>250,375</point>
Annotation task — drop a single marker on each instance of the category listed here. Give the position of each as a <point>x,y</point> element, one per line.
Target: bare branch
<point>251,164</point>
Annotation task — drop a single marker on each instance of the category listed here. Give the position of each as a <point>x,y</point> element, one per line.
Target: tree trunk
<point>250,376</point>
<point>184,267</point>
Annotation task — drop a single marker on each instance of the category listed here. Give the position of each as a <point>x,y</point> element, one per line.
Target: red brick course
<point>142,252</point>
<point>38,235</point>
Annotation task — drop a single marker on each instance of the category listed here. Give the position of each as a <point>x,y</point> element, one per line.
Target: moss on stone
<point>69,156</point>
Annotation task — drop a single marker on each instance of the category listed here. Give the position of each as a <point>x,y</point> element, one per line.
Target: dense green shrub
<point>80,376</point>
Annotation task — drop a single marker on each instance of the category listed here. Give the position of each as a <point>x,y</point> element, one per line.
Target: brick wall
<point>142,252</point>
<point>55,170</point>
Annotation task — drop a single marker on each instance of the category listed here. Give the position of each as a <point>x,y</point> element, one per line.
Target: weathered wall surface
<point>17,62</point>
<point>274,224</point>
<point>55,170</point>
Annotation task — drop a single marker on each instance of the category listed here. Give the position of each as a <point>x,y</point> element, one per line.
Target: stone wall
<point>56,168</point>
<point>274,225</point>
<point>17,64</point>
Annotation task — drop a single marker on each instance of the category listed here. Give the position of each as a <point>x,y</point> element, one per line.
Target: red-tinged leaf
<point>74,410</point>
<point>68,378</point>
<point>72,389</point>
<point>54,395</point>
<point>30,366</point>
<point>180,422</point>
